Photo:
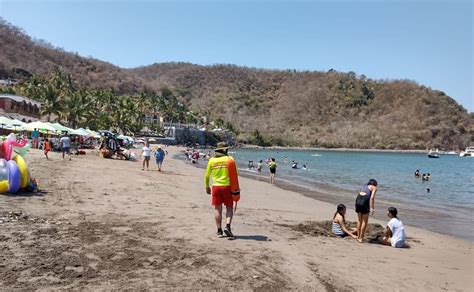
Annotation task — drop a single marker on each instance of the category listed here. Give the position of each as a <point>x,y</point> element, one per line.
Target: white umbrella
<point>38,125</point>
<point>4,121</point>
<point>81,132</point>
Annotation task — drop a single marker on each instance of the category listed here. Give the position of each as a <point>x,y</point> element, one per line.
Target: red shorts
<point>222,195</point>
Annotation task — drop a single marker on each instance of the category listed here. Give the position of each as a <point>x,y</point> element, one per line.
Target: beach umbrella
<point>4,121</point>
<point>80,132</point>
<point>61,128</point>
<point>38,125</point>
<point>17,123</point>
<point>93,133</point>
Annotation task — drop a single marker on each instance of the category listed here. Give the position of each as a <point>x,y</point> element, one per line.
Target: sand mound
<point>324,228</point>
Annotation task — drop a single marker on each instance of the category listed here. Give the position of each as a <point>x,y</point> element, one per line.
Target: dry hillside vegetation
<point>325,109</point>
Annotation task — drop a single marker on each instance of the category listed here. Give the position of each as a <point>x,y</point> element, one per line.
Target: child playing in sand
<point>365,204</point>
<point>339,223</point>
<point>146,154</point>
<point>395,232</point>
<point>46,148</point>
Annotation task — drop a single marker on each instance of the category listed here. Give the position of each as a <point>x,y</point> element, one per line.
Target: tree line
<point>64,101</point>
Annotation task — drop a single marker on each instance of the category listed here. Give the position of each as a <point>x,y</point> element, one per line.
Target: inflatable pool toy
<point>3,176</point>
<point>14,177</point>
<point>9,144</point>
<point>24,173</point>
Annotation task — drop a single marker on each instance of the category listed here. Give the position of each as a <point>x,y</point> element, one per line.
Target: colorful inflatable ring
<point>25,176</point>
<point>4,174</point>
<point>3,186</point>
<point>14,177</point>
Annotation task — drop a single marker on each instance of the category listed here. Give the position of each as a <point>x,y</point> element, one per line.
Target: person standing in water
<point>217,167</point>
<point>365,204</point>
<point>273,166</point>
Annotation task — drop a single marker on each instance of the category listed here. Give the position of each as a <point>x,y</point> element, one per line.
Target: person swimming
<point>294,165</point>
<point>417,173</point>
<point>304,167</point>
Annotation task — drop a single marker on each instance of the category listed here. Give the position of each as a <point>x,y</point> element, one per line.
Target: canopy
<point>17,123</point>
<point>38,125</point>
<point>81,132</point>
<point>93,133</point>
<point>61,128</point>
<point>4,121</point>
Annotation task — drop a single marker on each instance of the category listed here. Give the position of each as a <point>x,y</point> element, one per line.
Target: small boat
<point>469,152</point>
<point>433,153</point>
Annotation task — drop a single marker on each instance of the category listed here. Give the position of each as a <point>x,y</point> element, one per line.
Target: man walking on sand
<point>65,145</point>
<point>217,167</point>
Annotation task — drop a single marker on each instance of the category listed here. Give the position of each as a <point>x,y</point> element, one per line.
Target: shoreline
<point>248,146</point>
<point>419,217</point>
<point>335,199</point>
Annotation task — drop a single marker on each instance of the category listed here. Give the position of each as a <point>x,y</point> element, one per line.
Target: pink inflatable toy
<point>8,144</point>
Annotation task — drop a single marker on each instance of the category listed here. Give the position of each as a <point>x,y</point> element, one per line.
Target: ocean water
<point>447,208</point>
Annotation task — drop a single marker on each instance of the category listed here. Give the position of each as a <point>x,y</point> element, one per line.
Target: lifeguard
<point>222,180</point>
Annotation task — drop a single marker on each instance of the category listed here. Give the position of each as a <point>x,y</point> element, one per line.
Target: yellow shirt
<point>217,167</point>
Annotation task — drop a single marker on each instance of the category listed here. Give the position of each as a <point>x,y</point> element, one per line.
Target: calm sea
<point>338,176</point>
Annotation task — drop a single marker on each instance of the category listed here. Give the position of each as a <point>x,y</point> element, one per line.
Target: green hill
<point>326,109</point>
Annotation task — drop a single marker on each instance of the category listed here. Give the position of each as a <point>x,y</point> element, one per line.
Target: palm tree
<point>51,102</point>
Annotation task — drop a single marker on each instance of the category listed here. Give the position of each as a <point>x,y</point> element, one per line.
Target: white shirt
<point>398,232</point>
<point>146,151</point>
<point>66,142</point>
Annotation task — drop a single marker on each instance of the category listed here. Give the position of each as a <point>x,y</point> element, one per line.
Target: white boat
<point>433,153</point>
<point>469,152</point>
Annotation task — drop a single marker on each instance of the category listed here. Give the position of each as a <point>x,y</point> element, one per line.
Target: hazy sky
<point>430,42</point>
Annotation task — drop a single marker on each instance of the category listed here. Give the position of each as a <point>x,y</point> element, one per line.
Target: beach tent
<point>42,126</point>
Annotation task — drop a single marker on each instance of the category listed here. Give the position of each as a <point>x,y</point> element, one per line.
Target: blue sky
<point>430,42</point>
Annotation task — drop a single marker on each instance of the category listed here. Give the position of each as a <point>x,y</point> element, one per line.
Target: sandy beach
<point>102,224</point>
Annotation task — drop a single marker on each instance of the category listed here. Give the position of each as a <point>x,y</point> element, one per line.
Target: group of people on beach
<point>394,233</point>
<point>218,168</point>
<point>64,145</point>
<point>159,154</point>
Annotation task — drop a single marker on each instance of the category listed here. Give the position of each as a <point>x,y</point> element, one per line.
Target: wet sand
<point>105,224</point>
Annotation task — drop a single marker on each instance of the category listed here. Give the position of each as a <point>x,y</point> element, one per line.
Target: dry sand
<point>105,224</point>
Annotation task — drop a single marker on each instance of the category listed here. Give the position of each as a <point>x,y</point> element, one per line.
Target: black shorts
<point>273,170</point>
<point>362,204</point>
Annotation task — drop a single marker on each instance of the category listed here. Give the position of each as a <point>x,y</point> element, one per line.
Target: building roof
<point>19,98</point>
<point>21,117</point>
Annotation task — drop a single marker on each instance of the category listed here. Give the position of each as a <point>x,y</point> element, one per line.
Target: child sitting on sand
<point>339,223</point>
<point>395,232</point>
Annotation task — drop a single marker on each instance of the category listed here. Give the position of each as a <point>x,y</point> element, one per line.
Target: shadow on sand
<point>252,237</point>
